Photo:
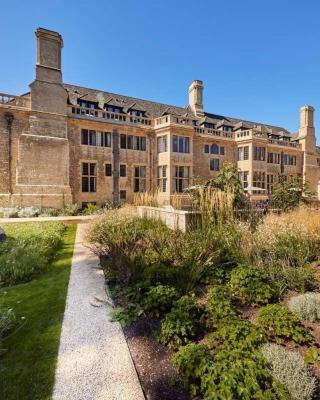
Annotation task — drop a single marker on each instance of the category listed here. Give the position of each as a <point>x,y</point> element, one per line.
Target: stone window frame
<point>90,177</point>
<point>140,180</point>
<point>214,164</point>
<point>162,178</point>
<point>180,180</point>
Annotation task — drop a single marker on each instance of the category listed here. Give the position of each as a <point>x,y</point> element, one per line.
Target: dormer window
<point>88,104</point>
<point>209,125</point>
<point>227,128</point>
<point>113,109</point>
<point>136,113</point>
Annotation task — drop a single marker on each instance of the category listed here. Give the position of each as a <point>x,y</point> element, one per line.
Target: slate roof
<point>155,110</point>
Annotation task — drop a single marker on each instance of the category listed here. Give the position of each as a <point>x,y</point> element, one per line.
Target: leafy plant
<point>218,306</point>
<point>239,375</point>
<point>126,316</point>
<point>90,209</point>
<point>236,333</point>
<point>278,321</point>
<point>159,299</point>
<point>192,361</point>
<point>288,194</point>
<point>312,356</point>
<point>289,369</point>
<point>306,306</point>
<point>180,325</point>
<point>250,285</point>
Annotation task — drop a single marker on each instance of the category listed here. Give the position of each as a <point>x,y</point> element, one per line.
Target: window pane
<point>175,143</point>
<point>143,143</point>
<point>108,170</point>
<point>85,184</point>
<point>187,145</point>
<point>130,142</point>
<point>92,184</point>
<point>85,169</point>
<point>92,138</point>
<point>123,141</point>
<point>93,169</point>
<point>84,136</point>
<point>123,170</point>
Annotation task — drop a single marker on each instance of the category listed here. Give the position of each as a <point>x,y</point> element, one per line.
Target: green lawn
<point>27,367</point>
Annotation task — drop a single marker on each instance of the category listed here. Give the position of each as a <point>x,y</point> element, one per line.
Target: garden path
<point>94,361</point>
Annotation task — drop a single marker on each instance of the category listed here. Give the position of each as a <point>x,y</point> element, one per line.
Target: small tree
<point>288,194</point>
<point>228,180</point>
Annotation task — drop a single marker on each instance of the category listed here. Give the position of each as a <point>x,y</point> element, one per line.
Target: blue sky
<point>259,60</point>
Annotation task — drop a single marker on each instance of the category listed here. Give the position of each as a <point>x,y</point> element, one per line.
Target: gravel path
<point>94,362</point>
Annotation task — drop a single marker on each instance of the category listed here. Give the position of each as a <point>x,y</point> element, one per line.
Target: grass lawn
<point>27,368</point>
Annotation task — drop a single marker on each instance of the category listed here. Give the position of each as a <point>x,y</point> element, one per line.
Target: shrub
<point>234,374</point>
<point>180,325</point>
<point>122,243</point>
<point>159,299</point>
<point>126,316</point>
<point>250,285</point>
<point>290,370</point>
<point>279,321</point>
<point>236,333</point>
<point>284,277</point>
<point>306,306</point>
<point>28,250</point>
<point>218,306</point>
<point>191,361</point>
<point>239,375</point>
<point>90,209</point>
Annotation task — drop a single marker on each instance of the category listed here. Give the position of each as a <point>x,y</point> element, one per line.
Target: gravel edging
<point>94,362</point>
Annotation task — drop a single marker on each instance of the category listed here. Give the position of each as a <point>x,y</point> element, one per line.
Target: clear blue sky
<point>259,60</point>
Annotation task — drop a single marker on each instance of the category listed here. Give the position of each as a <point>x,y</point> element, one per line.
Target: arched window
<point>214,149</point>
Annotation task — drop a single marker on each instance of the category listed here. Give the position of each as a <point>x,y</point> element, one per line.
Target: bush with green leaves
<point>306,306</point>
<point>159,299</point>
<point>277,320</point>
<point>181,324</point>
<point>290,370</point>
<point>237,374</point>
<point>250,285</point>
<point>218,306</point>
<point>284,277</point>
<point>192,361</point>
<point>233,374</point>
<point>28,250</point>
<point>126,315</point>
<point>236,333</point>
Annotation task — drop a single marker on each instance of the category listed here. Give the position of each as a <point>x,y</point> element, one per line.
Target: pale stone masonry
<point>61,143</point>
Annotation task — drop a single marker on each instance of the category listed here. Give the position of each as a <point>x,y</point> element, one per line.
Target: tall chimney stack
<point>47,91</point>
<point>196,97</point>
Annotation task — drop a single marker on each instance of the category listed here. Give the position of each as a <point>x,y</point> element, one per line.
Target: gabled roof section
<point>153,109</point>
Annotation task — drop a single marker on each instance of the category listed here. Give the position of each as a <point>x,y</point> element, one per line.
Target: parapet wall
<point>174,219</point>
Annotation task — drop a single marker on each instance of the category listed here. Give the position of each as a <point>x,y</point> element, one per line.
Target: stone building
<point>61,143</point>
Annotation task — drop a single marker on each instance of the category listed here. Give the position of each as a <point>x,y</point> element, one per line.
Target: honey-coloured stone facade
<point>63,144</point>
